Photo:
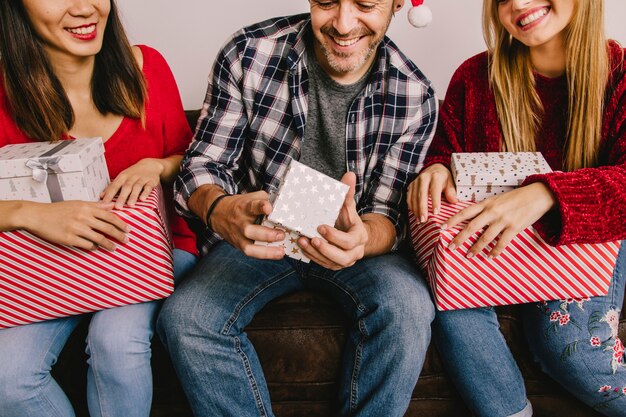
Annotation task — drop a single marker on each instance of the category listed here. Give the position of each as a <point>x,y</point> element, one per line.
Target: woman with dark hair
<point>67,71</point>
<point>549,82</point>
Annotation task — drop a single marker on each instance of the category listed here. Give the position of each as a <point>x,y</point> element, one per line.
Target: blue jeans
<point>575,342</point>
<point>202,325</point>
<point>119,377</point>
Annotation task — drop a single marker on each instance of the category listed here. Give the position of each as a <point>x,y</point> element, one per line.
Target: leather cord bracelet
<point>212,208</point>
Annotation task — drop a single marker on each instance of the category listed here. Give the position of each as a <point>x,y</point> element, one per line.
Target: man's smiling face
<point>348,32</point>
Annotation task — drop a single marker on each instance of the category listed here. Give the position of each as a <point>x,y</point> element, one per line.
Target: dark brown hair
<point>36,98</point>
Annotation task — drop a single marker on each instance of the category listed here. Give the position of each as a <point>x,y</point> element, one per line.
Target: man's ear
<point>398,5</point>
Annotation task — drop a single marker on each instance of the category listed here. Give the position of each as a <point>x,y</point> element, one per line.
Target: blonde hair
<point>513,83</point>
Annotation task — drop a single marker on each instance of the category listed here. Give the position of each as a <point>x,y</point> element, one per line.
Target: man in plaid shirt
<point>331,90</point>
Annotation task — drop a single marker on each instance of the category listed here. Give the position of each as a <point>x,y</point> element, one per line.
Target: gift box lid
<point>496,168</point>
<point>64,156</point>
<point>307,199</point>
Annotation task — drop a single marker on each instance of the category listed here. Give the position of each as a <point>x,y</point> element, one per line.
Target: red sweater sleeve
<point>592,201</point>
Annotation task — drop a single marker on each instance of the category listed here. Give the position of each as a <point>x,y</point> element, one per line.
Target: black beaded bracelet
<point>212,208</point>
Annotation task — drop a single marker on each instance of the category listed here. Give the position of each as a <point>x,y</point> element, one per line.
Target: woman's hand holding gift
<point>504,215</point>
<point>134,183</point>
<point>431,182</point>
<point>81,224</point>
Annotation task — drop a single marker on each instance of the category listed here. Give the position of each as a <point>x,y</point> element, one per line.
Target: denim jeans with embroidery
<point>119,376</point>
<point>202,325</point>
<point>575,341</point>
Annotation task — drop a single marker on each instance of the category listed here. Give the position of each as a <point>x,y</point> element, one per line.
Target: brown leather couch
<point>299,340</point>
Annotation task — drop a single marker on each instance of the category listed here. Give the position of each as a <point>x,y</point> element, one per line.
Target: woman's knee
<point>21,378</point>
<point>121,335</point>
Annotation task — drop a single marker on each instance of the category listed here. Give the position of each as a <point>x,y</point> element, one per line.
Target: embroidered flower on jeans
<point>555,316</point>
<point>617,359</point>
<point>605,388</point>
<point>580,301</point>
<point>624,390</point>
<point>595,341</point>
<point>612,319</point>
<point>618,350</point>
<point>564,319</point>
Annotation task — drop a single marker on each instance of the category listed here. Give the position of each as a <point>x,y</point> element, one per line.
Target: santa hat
<point>420,15</point>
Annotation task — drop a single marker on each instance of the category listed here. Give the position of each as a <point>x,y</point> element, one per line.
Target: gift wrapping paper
<point>48,172</point>
<point>305,200</point>
<point>479,175</point>
<point>40,280</point>
<point>289,243</point>
<point>528,270</point>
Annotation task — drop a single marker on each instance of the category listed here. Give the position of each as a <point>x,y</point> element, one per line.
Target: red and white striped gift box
<point>528,270</point>
<point>40,280</point>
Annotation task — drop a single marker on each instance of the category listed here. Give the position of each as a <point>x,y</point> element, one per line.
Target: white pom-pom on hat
<point>420,15</point>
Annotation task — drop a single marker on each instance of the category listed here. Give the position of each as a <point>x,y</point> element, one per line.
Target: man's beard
<point>337,60</point>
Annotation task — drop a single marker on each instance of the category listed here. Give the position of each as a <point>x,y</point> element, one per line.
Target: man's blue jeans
<point>202,324</point>
<point>119,377</point>
<point>575,341</point>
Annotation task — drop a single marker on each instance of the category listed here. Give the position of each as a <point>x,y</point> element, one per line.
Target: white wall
<point>189,33</point>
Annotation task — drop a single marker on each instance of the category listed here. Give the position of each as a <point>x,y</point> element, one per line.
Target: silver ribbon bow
<point>42,166</point>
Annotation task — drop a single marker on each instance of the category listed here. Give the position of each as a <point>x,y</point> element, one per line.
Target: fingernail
<point>452,246</point>
<point>126,239</point>
<point>444,226</point>
<point>470,255</point>
<point>422,219</point>
<point>436,211</point>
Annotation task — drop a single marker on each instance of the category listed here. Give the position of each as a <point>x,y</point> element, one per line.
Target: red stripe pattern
<point>528,270</point>
<point>40,280</point>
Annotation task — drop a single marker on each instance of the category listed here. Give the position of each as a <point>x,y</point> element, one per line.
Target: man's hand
<point>431,182</point>
<point>346,243</point>
<point>504,215</point>
<point>234,218</point>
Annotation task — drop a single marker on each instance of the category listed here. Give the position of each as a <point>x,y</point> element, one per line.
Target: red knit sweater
<point>167,132</point>
<point>592,201</point>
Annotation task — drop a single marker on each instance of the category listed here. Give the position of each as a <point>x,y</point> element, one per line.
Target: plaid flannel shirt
<point>253,120</point>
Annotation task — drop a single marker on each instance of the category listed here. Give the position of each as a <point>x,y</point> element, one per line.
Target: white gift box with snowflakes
<point>305,200</point>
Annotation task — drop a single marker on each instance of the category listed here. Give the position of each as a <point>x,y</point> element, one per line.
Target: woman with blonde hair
<point>549,82</point>
<point>66,71</point>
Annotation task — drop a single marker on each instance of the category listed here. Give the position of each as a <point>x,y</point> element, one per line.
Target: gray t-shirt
<point>324,144</point>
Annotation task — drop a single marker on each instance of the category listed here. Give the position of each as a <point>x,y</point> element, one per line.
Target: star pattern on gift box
<point>289,244</point>
<point>307,199</point>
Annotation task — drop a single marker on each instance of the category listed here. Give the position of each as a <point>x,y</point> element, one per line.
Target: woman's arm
<point>138,181</point>
<point>74,223</point>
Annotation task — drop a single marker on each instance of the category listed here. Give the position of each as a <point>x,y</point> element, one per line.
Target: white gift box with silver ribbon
<point>47,172</point>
